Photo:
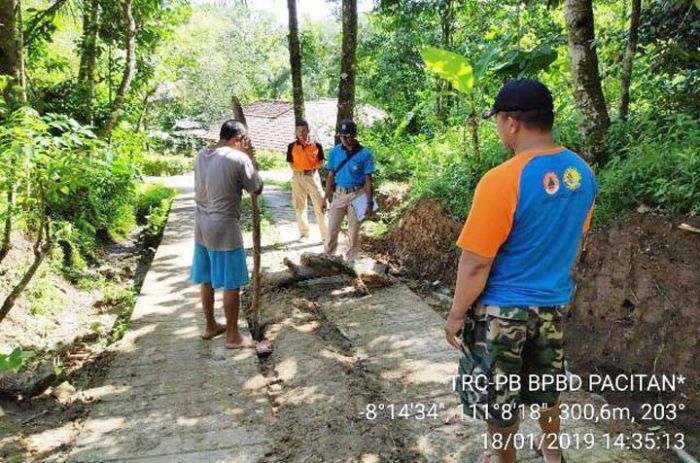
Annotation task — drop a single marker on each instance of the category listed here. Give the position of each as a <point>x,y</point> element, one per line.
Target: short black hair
<point>232,129</point>
<point>535,119</point>
<point>301,123</point>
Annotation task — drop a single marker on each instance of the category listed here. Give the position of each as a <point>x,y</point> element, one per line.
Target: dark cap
<point>347,127</point>
<point>522,95</point>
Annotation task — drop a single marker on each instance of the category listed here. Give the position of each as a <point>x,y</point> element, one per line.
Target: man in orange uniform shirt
<point>305,158</point>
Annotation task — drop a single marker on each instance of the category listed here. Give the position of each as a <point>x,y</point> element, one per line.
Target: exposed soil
<point>43,406</point>
<point>422,244</point>
<point>636,306</point>
<point>52,312</point>
<point>319,387</point>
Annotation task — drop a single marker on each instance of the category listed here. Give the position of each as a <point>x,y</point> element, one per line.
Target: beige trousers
<point>304,186</point>
<point>339,208</point>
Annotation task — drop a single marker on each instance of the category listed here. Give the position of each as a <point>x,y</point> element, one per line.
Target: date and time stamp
<point>645,415</point>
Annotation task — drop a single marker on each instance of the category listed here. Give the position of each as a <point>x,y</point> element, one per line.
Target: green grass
<point>266,218</point>
<point>160,165</point>
<point>150,198</point>
<point>286,184</point>
<point>270,160</point>
<point>44,297</point>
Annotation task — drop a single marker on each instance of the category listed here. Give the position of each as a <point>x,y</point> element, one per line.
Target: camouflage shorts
<point>508,342</point>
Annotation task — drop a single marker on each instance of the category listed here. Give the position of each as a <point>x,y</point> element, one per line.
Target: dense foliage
<point>69,178</point>
<point>443,152</point>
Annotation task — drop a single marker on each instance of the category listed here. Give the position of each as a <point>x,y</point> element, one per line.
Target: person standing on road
<point>221,174</point>
<point>350,166</point>
<point>305,158</point>
<point>519,243</point>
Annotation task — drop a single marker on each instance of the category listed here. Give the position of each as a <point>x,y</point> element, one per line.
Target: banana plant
<point>464,79</point>
<point>499,59</point>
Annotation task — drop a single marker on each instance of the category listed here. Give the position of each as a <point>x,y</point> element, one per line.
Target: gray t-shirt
<point>220,176</point>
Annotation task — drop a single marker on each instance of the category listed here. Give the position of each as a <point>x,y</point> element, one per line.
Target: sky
<point>313,9</point>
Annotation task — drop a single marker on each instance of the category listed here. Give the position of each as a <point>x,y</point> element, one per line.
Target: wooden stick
<point>257,335</point>
<point>255,309</point>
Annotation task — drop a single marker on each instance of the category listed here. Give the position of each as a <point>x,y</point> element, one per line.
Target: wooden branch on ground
<point>320,265</point>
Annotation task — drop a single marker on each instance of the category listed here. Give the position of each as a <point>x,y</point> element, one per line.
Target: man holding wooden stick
<point>221,174</point>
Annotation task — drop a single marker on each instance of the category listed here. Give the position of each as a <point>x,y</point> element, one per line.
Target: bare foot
<point>208,334</point>
<point>240,343</point>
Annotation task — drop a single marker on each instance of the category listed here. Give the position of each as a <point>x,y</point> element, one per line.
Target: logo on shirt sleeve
<point>572,178</point>
<point>551,183</point>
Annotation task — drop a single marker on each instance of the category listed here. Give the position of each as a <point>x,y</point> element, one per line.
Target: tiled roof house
<point>271,122</point>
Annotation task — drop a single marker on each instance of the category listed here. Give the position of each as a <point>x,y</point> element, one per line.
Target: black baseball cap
<point>347,127</point>
<point>522,95</point>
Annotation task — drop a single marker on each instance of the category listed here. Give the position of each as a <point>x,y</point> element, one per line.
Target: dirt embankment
<point>422,244</point>
<point>637,300</point>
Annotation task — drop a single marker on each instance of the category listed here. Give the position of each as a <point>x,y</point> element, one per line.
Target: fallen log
<point>320,265</point>
<point>312,266</point>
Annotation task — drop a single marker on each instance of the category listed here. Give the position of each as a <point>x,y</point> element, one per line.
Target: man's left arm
<point>369,191</point>
<point>370,196</point>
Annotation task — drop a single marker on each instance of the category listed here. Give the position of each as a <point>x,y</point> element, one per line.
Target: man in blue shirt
<point>350,166</point>
<point>520,241</point>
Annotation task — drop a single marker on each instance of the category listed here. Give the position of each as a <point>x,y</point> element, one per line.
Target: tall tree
<point>444,100</point>
<point>89,50</point>
<point>295,60</point>
<point>348,63</point>
<point>588,90</point>
<point>9,46</point>
<point>128,74</point>
<point>12,66</point>
<point>632,38</point>
<point>21,75</point>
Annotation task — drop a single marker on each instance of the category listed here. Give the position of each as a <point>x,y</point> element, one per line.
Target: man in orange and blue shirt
<point>519,244</point>
<point>305,158</point>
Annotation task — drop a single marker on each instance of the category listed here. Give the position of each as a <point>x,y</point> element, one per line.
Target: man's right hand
<point>324,205</point>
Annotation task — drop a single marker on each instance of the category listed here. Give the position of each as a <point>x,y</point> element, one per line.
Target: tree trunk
<point>474,129</point>
<point>346,90</point>
<point>445,101</point>
<point>629,58</point>
<point>128,75</point>
<point>295,60</point>
<point>42,246</point>
<point>145,103</point>
<point>88,51</point>
<point>7,230</point>
<point>12,66</point>
<point>237,110</point>
<point>588,90</point>
<point>9,47</point>
<point>21,76</point>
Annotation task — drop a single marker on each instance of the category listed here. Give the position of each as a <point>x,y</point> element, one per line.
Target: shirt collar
<point>358,147</point>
